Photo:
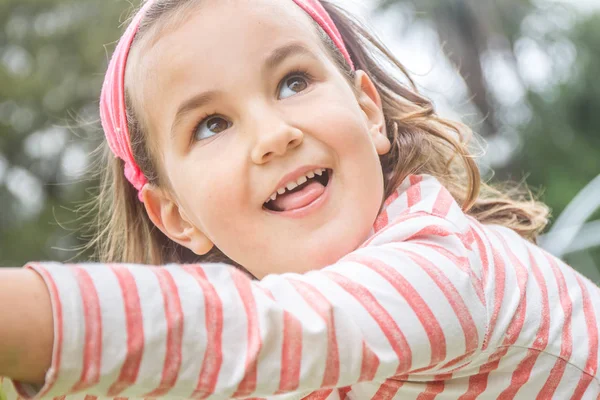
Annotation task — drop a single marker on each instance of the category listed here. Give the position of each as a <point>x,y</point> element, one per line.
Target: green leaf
<point>2,394</point>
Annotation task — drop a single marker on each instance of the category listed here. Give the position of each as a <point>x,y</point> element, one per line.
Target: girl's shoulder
<point>423,207</point>
<point>422,200</point>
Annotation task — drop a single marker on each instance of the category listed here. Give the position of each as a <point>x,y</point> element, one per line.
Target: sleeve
<point>405,304</point>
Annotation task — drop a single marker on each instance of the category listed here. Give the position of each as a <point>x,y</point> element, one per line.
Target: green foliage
<point>2,394</point>
<point>52,59</point>
<point>561,144</point>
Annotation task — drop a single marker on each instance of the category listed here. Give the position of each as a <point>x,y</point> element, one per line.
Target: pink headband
<point>112,98</point>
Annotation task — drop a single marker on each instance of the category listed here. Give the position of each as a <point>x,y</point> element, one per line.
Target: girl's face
<point>243,100</point>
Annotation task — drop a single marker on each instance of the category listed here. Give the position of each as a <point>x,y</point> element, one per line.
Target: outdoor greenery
<point>53,54</point>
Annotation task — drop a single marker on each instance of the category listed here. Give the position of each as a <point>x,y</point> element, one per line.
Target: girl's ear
<point>371,105</point>
<point>166,214</point>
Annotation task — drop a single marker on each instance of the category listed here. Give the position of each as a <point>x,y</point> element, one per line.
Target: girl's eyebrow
<point>193,103</point>
<point>278,55</point>
<point>281,53</point>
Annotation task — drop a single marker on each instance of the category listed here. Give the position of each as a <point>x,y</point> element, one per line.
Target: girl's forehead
<point>226,32</point>
<point>218,43</point>
<point>220,25</point>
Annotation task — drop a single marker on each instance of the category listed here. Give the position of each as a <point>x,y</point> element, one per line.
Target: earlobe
<point>167,216</point>
<point>381,142</point>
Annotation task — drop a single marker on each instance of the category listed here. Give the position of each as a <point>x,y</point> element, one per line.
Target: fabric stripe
<point>213,357</point>
<point>478,383</point>
<point>381,222</point>
<point>442,203</point>
<point>458,360</point>
<point>382,219</point>
<point>592,331</point>
<point>592,328</point>
<point>322,307</point>
<point>385,321</point>
<point>319,395</point>
<point>135,331</point>
<point>523,371</point>
<point>244,288</point>
<point>413,193</point>
<point>483,255</point>
<point>499,283</point>
<point>343,392</point>
<point>516,325</point>
<point>455,300</point>
<point>432,389</point>
<point>388,389</point>
<point>391,199</point>
<point>290,348</point>
<point>541,340</point>
<point>566,346</point>
<point>370,363</point>
<point>431,231</point>
<point>174,315</point>
<point>397,221</point>
<point>92,353</point>
<point>435,334</point>
<point>461,262</point>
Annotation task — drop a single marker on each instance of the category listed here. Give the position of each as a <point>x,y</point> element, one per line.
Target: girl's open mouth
<point>302,195</point>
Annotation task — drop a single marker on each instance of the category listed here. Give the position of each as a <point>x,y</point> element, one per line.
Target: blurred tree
<point>52,57</point>
<point>561,144</point>
<point>555,57</point>
<point>467,29</point>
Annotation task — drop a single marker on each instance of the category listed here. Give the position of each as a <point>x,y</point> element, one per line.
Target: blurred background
<point>525,74</point>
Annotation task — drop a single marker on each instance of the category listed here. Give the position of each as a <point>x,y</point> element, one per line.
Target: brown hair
<point>422,142</point>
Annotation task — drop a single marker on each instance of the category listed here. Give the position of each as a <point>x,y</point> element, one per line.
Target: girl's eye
<point>211,126</point>
<point>293,85</point>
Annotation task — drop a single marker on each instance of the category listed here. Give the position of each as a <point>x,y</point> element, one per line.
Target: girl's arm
<point>26,332</point>
<point>405,304</point>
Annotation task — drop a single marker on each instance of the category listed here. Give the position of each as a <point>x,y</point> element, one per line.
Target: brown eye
<point>297,84</point>
<point>293,85</point>
<point>210,127</point>
<point>217,124</point>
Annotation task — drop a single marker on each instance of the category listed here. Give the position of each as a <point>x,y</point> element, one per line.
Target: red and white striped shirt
<point>433,305</point>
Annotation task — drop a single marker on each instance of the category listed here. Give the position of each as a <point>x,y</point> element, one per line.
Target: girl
<point>267,135</point>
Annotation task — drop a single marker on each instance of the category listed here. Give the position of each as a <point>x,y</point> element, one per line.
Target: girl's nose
<point>275,141</point>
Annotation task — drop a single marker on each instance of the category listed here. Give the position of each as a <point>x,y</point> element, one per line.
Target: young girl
<point>268,135</point>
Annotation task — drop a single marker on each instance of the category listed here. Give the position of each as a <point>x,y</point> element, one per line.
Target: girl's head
<point>229,101</point>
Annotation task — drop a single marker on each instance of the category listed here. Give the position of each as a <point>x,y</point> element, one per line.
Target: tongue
<point>300,198</point>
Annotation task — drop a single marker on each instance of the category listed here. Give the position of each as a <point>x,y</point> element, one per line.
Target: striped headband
<point>112,98</point>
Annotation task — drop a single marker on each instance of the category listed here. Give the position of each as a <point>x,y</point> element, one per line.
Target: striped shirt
<point>433,305</point>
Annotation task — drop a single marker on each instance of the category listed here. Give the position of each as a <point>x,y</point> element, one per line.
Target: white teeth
<point>291,186</point>
<point>301,180</point>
